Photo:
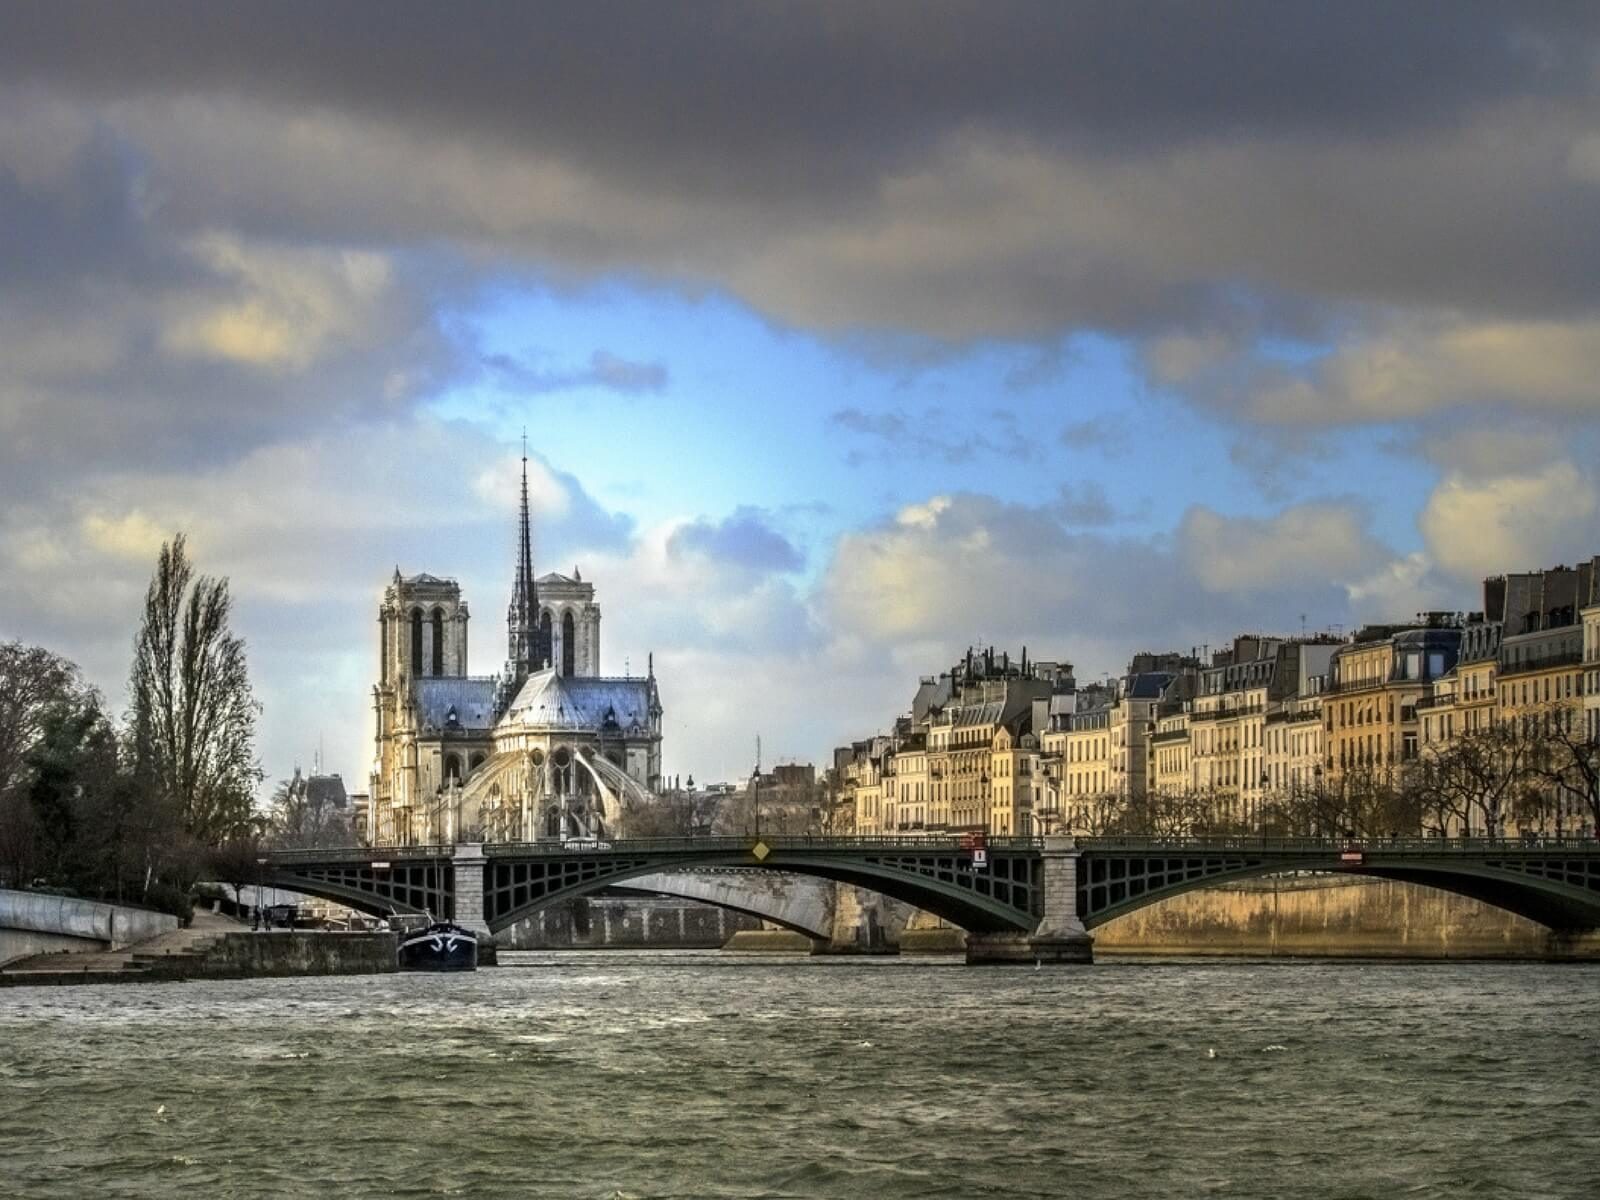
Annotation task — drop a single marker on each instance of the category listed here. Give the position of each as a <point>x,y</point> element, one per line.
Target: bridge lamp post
<point>261,884</point>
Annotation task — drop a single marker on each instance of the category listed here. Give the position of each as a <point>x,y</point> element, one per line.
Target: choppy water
<point>658,1075</point>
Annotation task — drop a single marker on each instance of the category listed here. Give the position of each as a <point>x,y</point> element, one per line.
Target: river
<point>706,1075</point>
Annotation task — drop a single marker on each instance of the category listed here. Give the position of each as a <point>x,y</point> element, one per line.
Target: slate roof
<point>326,789</point>
<point>987,713</point>
<point>548,701</point>
<point>472,700</point>
<point>1147,685</point>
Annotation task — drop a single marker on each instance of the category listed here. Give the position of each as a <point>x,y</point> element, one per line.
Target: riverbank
<point>34,923</point>
<point>214,947</point>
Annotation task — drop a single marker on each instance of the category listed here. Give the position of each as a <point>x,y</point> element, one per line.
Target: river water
<point>706,1075</point>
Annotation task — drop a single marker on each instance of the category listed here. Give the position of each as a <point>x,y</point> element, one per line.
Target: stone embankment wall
<point>617,924</point>
<point>33,923</point>
<point>1311,916</point>
<point>280,952</point>
<point>1332,916</point>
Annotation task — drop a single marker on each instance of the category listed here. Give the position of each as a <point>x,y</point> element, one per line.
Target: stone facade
<point>549,748</point>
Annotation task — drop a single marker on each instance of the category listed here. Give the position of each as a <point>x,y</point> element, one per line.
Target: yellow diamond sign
<point>761,850</point>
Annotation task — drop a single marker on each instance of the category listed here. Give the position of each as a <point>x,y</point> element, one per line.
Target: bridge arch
<point>1006,899</point>
<point>808,912</point>
<point>1558,893</point>
<point>422,887</point>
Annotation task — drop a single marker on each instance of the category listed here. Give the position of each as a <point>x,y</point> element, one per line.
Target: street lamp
<point>261,883</point>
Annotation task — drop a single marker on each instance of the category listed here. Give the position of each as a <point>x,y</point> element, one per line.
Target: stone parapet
<point>96,925</point>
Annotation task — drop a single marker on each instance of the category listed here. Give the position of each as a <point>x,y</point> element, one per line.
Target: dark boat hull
<point>439,948</point>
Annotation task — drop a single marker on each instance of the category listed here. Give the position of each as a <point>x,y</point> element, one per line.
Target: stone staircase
<point>154,958</point>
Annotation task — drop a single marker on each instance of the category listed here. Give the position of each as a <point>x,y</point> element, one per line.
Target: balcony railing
<point>1227,714</point>
<point>1541,662</point>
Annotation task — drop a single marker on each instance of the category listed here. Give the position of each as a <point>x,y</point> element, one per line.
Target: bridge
<point>1032,899</point>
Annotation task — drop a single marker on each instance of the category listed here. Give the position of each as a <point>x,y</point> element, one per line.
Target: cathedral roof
<point>472,701</point>
<point>549,701</point>
<point>424,577</point>
<point>557,577</point>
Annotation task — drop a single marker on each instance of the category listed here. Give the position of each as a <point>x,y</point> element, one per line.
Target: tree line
<point>1533,771</point>
<point>137,809</point>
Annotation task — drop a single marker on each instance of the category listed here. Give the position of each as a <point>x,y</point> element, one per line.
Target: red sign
<point>974,840</point>
<point>1352,856</point>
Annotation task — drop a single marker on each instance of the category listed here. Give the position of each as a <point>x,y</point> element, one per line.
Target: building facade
<point>549,748</point>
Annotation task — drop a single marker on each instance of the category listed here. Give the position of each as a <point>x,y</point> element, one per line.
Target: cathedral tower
<point>528,645</point>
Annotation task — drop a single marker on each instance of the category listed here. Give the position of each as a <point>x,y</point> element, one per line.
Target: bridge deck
<point>1555,881</point>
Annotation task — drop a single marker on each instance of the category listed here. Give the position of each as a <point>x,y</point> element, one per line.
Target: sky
<point>844,336</point>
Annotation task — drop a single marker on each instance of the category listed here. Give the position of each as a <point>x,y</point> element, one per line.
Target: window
<point>569,644</point>
<point>438,641</point>
<point>416,641</point>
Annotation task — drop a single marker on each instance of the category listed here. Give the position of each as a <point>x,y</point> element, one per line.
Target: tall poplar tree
<point>193,715</point>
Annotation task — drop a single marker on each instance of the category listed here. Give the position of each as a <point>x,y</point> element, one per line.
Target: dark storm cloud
<point>223,221</point>
<point>849,166</point>
<point>125,340</point>
<point>778,87</point>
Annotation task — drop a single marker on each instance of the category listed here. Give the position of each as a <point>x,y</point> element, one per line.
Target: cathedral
<point>549,749</point>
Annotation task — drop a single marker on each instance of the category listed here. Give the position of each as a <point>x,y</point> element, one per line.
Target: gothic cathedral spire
<point>528,641</point>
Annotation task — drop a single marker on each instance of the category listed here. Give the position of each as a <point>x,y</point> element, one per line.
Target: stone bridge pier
<point>1060,936</point>
<point>863,923</point>
<point>857,921</point>
<point>469,862</point>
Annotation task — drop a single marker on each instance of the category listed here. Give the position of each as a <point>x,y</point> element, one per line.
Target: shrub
<point>164,897</point>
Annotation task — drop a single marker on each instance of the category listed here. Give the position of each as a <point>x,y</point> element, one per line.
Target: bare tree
<point>1097,815</point>
<point>193,716</point>
<point>236,862</point>
<point>305,815</point>
<point>676,812</point>
<point>1565,763</point>
<point>1475,781</point>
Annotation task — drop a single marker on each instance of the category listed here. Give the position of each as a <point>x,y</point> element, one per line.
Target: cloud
<point>126,337</point>
<point>934,433</point>
<point>1399,588</point>
<point>1251,554</point>
<point>1108,435</point>
<point>1486,526</point>
<point>1075,173</point>
<point>744,539</point>
<point>1407,368</point>
<point>132,535</point>
<point>308,534</point>
<point>963,567</point>
<point>1084,503</point>
<point>606,371</point>
<point>1499,448</point>
<point>230,242</point>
